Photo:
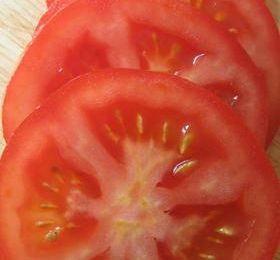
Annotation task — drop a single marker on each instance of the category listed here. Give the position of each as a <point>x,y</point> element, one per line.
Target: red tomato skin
<point>267,36</point>
<point>261,40</point>
<point>256,119</point>
<point>267,182</point>
<point>265,52</point>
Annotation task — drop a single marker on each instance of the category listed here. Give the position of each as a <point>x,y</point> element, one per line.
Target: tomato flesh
<point>141,172</point>
<point>243,21</point>
<point>126,37</point>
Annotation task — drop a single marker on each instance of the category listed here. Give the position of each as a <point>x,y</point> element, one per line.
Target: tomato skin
<point>252,106</point>
<point>269,42</point>
<point>259,36</point>
<point>258,180</point>
<point>261,45</point>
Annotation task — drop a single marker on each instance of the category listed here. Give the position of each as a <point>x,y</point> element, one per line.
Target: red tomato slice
<point>142,172</point>
<point>160,35</point>
<point>253,26</point>
<point>50,2</point>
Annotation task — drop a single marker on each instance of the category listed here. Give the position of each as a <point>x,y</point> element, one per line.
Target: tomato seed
<point>49,187</point>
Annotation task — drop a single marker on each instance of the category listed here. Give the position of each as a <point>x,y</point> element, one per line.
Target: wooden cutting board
<point>18,19</point>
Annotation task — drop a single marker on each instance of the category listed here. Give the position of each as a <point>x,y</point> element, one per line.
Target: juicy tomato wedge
<point>253,26</point>
<point>142,172</point>
<point>161,35</point>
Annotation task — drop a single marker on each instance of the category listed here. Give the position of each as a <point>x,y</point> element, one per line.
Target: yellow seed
<point>139,124</point>
<point>144,203</point>
<point>112,135</point>
<point>43,223</point>
<point>233,30</point>
<point>220,16</point>
<point>59,177</point>
<point>50,187</point>
<point>198,3</point>
<point>185,143</point>
<point>175,49</point>
<point>125,200</point>
<point>215,240</point>
<point>227,231</point>
<point>48,206</point>
<point>53,234</point>
<point>184,166</point>
<point>165,131</point>
<point>75,180</point>
<point>206,256</point>
<point>119,117</point>
<point>156,43</point>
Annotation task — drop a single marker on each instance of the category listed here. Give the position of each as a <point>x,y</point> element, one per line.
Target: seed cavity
<point>50,187</point>
<point>44,223</point>
<point>184,166</point>
<point>206,256</point>
<point>139,123</point>
<point>227,231</point>
<point>53,234</point>
<point>165,132</point>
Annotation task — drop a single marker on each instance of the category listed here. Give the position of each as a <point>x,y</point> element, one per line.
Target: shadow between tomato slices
<point>162,35</point>
<point>123,164</point>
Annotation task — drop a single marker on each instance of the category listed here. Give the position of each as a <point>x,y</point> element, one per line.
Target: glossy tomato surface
<point>251,23</point>
<point>133,165</point>
<point>162,35</point>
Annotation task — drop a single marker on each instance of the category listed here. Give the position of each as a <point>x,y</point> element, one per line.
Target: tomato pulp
<point>162,35</point>
<point>251,23</point>
<point>143,171</point>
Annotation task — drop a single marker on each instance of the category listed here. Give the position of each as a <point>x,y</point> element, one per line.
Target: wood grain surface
<point>18,19</point>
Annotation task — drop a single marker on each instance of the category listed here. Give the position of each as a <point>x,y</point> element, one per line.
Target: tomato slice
<point>142,172</point>
<point>50,2</point>
<point>126,35</point>
<point>253,26</point>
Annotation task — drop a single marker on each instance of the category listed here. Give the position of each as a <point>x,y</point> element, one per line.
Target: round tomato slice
<point>133,165</point>
<point>161,35</point>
